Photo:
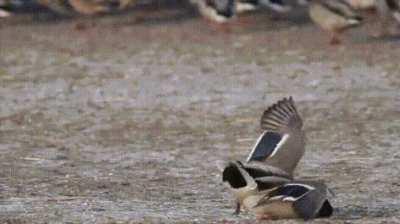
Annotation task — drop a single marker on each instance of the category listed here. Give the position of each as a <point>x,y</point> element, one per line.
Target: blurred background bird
<point>219,11</point>
<point>5,6</point>
<point>9,7</point>
<point>389,12</point>
<point>362,4</point>
<point>3,12</point>
<point>86,7</point>
<point>222,11</point>
<point>333,16</point>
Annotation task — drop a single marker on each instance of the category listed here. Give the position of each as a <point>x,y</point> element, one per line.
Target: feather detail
<point>281,116</point>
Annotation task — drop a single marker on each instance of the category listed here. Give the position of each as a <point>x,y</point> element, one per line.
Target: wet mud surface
<point>128,118</point>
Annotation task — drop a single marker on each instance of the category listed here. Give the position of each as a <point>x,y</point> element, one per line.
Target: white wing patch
<point>279,197</point>
<point>255,146</point>
<point>275,149</point>
<point>290,199</point>
<point>279,145</point>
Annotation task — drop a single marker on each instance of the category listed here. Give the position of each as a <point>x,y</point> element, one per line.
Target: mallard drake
<point>219,11</point>
<point>306,200</point>
<point>85,7</point>
<point>333,16</point>
<point>247,180</point>
<point>282,143</point>
<point>275,154</point>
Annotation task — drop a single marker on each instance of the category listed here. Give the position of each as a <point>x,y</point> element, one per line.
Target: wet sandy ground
<point>127,118</point>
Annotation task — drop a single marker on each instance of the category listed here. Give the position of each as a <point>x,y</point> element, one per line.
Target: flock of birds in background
<point>264,184</point>
<point>333,16</point>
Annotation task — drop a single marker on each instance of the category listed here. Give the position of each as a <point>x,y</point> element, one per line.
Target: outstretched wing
<point>280,123</point>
